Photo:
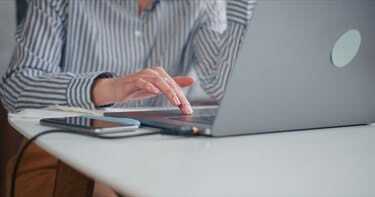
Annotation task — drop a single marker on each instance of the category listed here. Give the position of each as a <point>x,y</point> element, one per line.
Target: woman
<point>93,53</point>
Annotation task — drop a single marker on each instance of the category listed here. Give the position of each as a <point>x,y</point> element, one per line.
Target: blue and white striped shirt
<point>64,45</point>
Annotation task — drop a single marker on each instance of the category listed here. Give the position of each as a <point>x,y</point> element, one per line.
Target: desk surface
<point>329,162</point>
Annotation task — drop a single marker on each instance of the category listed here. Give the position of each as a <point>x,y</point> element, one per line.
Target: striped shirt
<point>64,45</point>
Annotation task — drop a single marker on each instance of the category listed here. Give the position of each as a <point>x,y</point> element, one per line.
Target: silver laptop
<point>305,64</point>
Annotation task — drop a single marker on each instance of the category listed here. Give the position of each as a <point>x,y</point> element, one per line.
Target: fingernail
<point>176,101</point>
<point>189,110</point>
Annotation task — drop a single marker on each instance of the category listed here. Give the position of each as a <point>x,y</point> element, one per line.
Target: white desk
<point>331,162</point>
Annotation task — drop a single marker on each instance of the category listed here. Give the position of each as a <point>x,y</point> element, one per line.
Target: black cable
<point>31,140</point>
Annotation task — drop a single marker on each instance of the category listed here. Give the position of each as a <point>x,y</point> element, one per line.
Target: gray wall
<point>7,28</point>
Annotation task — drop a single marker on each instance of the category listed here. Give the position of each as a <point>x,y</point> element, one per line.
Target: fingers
<point>158,81</point>
<point>184,103</point>
<point>142,94</point>
<point>129,88</point>
<point>145,85</point>
<point>151,82</point>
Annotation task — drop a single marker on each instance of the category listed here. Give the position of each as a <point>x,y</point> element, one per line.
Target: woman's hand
<point>141,85</point>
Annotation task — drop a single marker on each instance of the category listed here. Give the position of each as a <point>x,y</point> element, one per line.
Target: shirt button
<point>138,33</point>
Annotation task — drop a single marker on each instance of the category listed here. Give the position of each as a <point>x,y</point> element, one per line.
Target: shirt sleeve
<point>215,52</point>
<point>34,78</point>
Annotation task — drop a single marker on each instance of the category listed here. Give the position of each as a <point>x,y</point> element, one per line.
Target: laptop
<point>304,64</point>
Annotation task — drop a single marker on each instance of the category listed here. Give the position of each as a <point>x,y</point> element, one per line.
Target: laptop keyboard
<point>200,116</point>
<point>195,119</point>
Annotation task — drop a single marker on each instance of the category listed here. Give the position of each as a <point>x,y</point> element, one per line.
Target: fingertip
<point>186,109</point>
<point>190,80</point>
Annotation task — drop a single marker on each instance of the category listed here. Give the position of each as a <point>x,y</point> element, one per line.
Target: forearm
<point>216,53</point>
<point>36,89</point>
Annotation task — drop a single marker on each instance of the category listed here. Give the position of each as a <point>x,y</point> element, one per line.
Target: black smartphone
<point>86,124</point>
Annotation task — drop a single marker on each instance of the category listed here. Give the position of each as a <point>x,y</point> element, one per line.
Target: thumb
<point>184,81</point>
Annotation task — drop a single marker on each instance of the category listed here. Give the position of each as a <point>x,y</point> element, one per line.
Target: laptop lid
<point>285,77</point>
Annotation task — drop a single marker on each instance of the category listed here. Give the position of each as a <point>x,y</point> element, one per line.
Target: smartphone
<point>88,124</point>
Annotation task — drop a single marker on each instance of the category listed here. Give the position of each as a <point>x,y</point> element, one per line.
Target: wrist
<point>103,92</point>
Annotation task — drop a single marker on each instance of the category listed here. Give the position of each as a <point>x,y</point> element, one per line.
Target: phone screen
<point>87,123</point>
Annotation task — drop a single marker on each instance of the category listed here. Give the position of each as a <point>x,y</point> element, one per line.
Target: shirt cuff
<point>80,87</point>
